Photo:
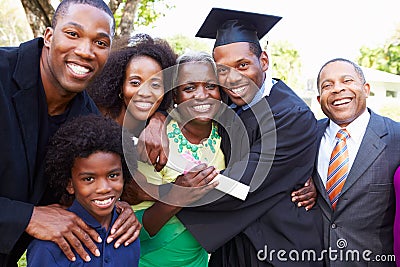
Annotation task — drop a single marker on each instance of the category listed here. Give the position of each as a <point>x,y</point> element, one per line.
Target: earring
<point>175,105</point>
<point>120,95</point>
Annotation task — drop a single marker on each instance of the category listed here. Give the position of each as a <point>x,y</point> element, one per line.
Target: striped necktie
<point>338,167</point>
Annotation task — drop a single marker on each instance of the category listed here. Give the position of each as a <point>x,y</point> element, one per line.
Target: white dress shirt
<point>356,130</point>
<point>264,91</point>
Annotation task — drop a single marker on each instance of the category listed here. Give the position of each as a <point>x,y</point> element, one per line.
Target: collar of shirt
<point>264,91</point>
<point>77,208</point>
<point>356,128</point>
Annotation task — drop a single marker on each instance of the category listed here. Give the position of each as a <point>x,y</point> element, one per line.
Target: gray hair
<point>356,68</point>
<point>188,57</point>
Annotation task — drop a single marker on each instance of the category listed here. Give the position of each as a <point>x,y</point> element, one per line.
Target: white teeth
<point>103,202</point>
<point>341,101</point>
<point>78,69</point>
<point>202,108</point>
<point>238,90</point>
<point>144,104</point>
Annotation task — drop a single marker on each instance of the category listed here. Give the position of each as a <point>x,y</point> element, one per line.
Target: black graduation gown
<point>277,159</point>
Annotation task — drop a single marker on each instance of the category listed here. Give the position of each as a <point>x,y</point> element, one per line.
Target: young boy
<point>86,167</point>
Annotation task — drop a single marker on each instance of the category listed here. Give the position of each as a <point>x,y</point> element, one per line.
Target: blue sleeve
<point>40,254</point>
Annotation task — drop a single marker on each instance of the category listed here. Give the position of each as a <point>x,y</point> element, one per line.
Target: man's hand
<point>153,144</point>
<point>306,196</point>
<point>126,228</point>
<point>192,186</point>
<point>53,223</point>
<point>188,188</point>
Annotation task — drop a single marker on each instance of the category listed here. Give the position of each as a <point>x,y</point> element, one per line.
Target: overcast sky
<point>319,29</point>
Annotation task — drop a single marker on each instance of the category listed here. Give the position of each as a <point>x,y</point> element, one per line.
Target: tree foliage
<point>127,13</point>
<point>286,63</point>
<point>181,44</point>
<point>147,11</point>
<point>386,58</point>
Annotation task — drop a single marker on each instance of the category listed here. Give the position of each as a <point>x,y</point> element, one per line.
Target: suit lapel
<point>25,100</point>
<point>239,140</point>
<point>322,125</point>
<point>371,146</point>
<point>232,133</point>
<point>26,107</point>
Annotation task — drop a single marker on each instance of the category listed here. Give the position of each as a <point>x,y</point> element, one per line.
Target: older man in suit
<point>358,155</point>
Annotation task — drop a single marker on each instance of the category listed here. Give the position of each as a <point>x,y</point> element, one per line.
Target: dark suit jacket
<point>22,106</point>
<point>273,151</point>
<point>364,214</point>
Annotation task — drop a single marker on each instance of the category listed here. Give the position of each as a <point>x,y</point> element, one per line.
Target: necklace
<point>180,139</point>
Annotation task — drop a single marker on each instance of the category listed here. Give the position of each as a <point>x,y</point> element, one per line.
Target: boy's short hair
<point>80,138</point>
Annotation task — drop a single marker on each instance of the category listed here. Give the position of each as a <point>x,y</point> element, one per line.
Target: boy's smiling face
<point>97,183</point>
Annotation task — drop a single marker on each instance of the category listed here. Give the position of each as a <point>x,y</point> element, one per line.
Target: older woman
<point>193,135</point>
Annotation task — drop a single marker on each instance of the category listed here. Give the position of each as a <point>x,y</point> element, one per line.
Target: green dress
<point>174,245</point>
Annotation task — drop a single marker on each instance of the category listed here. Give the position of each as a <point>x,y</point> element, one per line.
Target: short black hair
<point>254,48</point>
<point>62,9</point>
<point>107,86</point>
<point>80,138</point>
<point>356,68</point>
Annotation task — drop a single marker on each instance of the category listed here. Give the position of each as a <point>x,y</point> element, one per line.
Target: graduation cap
<point>232,26</point>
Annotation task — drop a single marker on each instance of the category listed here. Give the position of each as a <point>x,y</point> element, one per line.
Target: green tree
<point>126,12</point>
<point>386,58</point>
<point>286,63</point>
<point>181,44</point>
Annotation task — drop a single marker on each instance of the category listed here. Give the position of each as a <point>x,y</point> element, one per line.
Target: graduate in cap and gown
<point>270,144</point>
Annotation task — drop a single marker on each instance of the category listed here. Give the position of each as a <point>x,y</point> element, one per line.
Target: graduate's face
<point>240,71</point>
<point>198,93</point>
<point>76,49</point>
<point>97,183</point>
<point>343,94</point>
<point>143,87</point>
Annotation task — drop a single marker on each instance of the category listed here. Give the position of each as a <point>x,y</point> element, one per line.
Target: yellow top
<point>179,153</point>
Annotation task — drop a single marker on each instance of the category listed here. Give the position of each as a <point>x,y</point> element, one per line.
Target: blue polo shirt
<point>46,253</point>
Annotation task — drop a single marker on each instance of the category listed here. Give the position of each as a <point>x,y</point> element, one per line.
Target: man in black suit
<point>42,86</point>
